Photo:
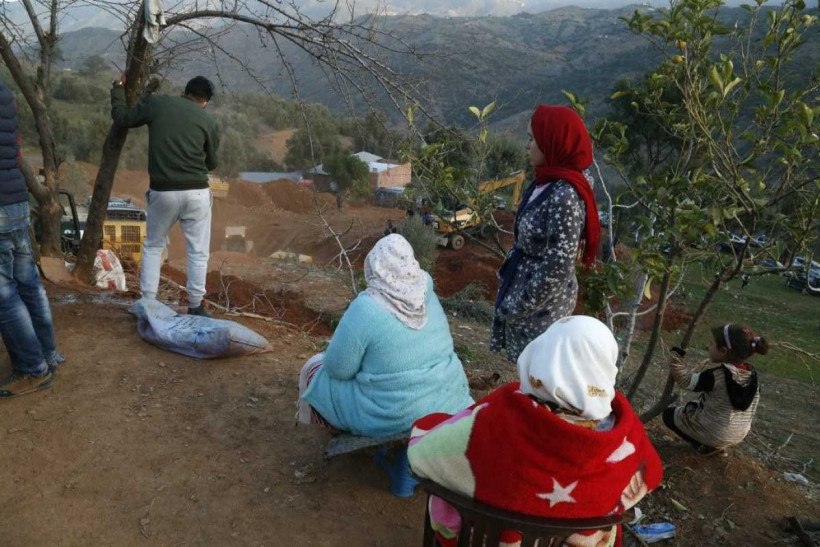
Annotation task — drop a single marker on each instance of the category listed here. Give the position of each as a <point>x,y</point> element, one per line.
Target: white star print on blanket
<point>622,452</point>
<point>559,493</point>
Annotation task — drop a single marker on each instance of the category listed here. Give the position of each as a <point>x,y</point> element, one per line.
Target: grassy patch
<point>778,313</point>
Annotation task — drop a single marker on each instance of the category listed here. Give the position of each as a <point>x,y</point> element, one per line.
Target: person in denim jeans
<point>25,317</point>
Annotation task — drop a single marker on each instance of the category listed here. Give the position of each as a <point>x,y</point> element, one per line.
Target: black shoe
<point>17,384</point>
<point>199,310</point>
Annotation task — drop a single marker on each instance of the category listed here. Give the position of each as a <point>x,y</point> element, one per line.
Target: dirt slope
<point>135,445</point>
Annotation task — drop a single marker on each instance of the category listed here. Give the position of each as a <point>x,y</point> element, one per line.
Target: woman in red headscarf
<point>537,280</point>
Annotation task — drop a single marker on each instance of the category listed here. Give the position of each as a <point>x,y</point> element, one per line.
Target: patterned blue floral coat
<point>537,280</point>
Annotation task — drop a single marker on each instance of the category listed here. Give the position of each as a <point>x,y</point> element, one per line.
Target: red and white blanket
<point>512,452</point>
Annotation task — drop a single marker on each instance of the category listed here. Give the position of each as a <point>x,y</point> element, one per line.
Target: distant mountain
<point>517,61</point>
<point>478,8</point>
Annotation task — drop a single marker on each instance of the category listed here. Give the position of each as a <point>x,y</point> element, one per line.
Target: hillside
<point>517,61</point>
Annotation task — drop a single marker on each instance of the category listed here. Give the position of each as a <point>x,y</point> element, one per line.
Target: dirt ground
<point>137,446</point>
<point>134,445</point>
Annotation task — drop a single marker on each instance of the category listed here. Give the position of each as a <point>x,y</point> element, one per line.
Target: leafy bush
<point>469,303</point>
<point>349,172</point>
<point>76,90</point>
<point>79,137</point>
<point>423,240</point>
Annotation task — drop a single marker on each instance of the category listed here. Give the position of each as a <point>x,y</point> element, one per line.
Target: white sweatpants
<point>192,208</point>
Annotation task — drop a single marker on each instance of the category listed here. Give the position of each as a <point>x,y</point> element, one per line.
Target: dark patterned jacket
<point>12,183</point>
<point>537,280</point>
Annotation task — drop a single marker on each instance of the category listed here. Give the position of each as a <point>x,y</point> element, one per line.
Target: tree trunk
<point>35,91</point>
<point>139,56</point>
<point>97,210</point>
<point>629,332</point>
<point>668,395</point>
<point>656,332</point>
<point>49,210</point>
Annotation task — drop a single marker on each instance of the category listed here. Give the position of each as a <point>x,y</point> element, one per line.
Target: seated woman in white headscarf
<point>560,443</point>
<point>391,359</point>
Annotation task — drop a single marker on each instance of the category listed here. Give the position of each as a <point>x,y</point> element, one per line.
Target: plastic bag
<point>193,335</point>
<point>108,272</point>
<point>658,531</point>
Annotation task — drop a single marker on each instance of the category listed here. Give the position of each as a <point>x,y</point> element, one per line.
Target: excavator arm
<point>516,180</point>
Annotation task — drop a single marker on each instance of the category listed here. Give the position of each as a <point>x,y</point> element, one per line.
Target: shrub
<point>75,90</point>
<point>469,303</point>
<point>423,239</point>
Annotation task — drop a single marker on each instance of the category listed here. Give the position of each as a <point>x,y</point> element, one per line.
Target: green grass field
<point>778,313</point>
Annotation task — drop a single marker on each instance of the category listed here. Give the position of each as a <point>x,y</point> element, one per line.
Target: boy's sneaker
<point>199,310</point>
<point>17,384</point>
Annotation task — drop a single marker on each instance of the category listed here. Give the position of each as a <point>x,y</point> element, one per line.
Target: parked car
<point>804,275</point>
<point>760,240</point>
<point>389,197</point>
<point>731,243</point>
<point>799,262</point>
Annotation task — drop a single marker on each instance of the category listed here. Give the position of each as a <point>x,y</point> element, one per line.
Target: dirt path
<point>135,445</point>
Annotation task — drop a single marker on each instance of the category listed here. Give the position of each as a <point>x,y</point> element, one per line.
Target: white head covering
<point>572,364</point>
<point>396,281</point>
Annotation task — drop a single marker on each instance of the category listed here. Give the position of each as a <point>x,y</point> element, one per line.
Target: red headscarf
<point>561,136</point>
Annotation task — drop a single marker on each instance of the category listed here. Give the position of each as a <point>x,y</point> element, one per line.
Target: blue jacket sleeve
<point>344,354</point>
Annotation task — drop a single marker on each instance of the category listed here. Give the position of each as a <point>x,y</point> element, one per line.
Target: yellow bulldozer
<point>235,240</point>
<point>451,224</point>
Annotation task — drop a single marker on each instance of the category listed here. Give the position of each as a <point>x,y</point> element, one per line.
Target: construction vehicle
<point>235,240</point>
<point>124,229</point>
<point>219,186</point>
<point>464,218</point>
<point>71,229</point>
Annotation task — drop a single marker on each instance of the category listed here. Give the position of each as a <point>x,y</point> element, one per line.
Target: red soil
<point>280,194</point>
<point>240,295</point>
<point>454,270</point>
<point>282,305</point>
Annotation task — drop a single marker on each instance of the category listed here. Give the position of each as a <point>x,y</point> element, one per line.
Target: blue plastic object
<point>402,483</point>
<point>193,335</point>
<point>658,531</point>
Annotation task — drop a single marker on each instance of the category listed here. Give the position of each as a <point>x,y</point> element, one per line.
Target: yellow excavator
<point>450,224</point>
